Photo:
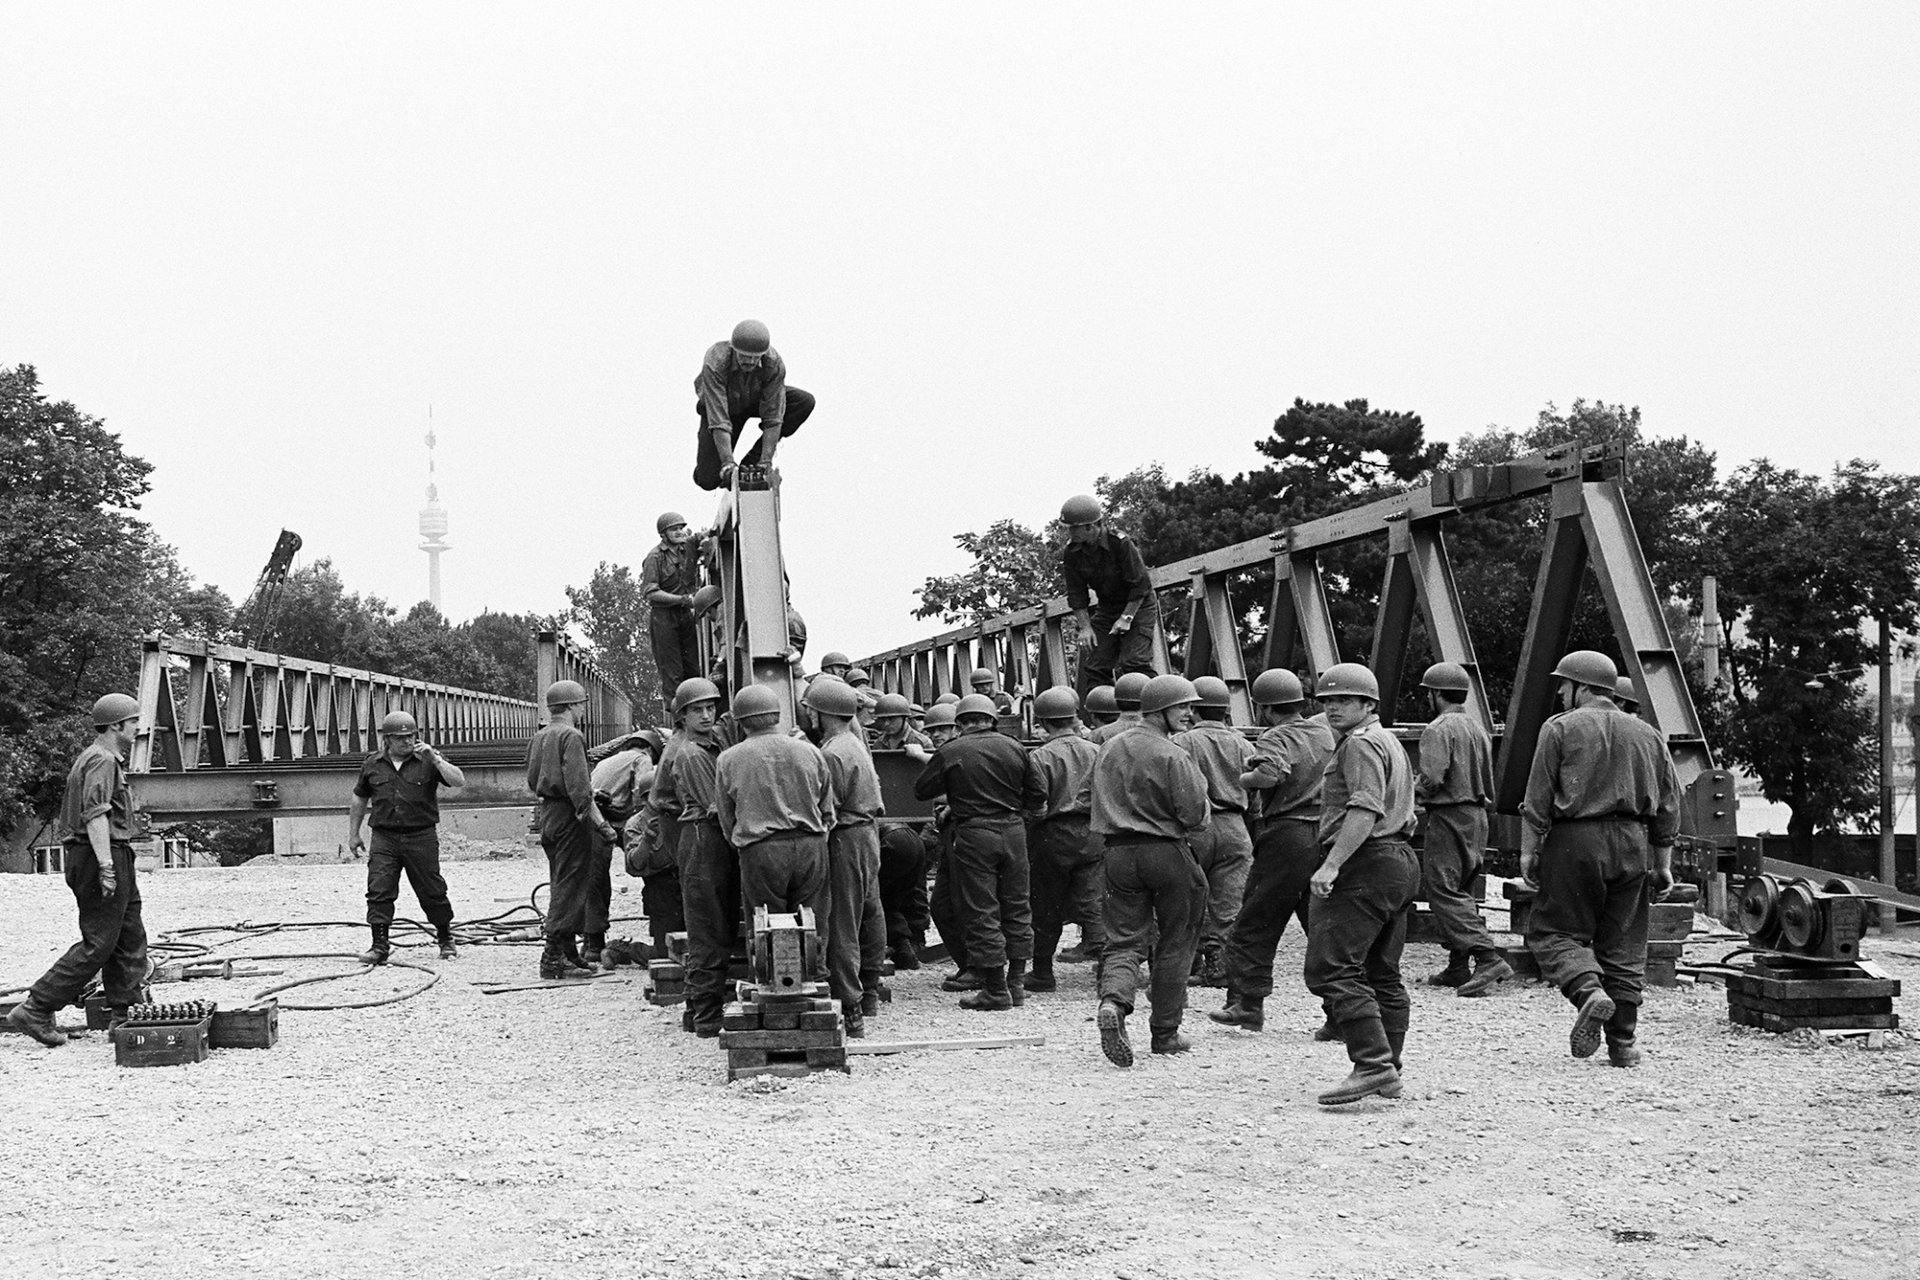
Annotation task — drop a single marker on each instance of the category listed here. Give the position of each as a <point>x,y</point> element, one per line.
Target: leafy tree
<point>1013,567</point>
<point>505,640</point>
<point>1803,564</point>
<point>614,617</point>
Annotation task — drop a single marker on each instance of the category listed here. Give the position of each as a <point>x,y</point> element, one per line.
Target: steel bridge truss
<point>1588,527</point>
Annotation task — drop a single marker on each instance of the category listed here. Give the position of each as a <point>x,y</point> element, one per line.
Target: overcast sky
<point>1009,248</point>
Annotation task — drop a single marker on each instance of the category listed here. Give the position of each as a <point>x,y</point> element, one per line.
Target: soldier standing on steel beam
<point>1363,889</point>
<point>1454,789</point>
<point>572,831</point>
<point>401,784</point>
<point>1285,774</point>
<point>669,580</point>
<point>1149,800</point>
<point>1068,883</point>
<point>1598,826</point>
<point>989,782</point>
<point>97,826</point>
<point>1110,594</point>
<point>742,378</point>
<point>858,931</point>
<point>1225,849</point>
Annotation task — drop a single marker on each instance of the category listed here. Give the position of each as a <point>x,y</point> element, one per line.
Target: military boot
<point>1170,1041</point>
<point>31,1018</point>
<point>1112,1021</point>
<point>1017,981</point>
<point>1041,977</point>
<point>1373,1070</point>
<point>444,936</point>
<point>552,964</point>
<point>1242,1011</point>
<point>1079,953</point>
<point>993,993</point>
<point>1489,971</point>
<point>1621,1028</point>
<point>595,948</point>
<point>905,955</point>
<point>1457,972</point>
<point>1396,1041</point>
<point>1589,1025</point>
<point>378,952</point>
<point>964,980</point>
<point>869,1004</point>
<point>570,956</point>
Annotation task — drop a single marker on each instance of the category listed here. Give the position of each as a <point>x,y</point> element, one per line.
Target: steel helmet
<point>114,708</point>
<point>1623,691</point>
<point>668,520</point>
<point>1347,680</point>
<point>705,598</point>
<point>1081,509</point>
<point>1128,688</point>
<point>946,700</point>
<point>1588,667</point>
<point>1165,692</point>
<point>1101,701</point>
<point>857,676</point>
<point>1449,677</point>
<point>1213,692</point>
<point>692,691</point>
<point>976,704</point>
<point>755,700</point>
<point>564,693</point>
<point>830,697</point>
<point>1277,688</point>
<point>751,337</point>
<point>835,659</point>
<point>939,715</point>
<point>398,722</point>
<point>892,704</point>
<point>982,676</point>
<point>1057,703</point>
<point>915,709</point>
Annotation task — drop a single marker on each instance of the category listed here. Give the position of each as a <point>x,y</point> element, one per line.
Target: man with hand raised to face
<point>402,785</point>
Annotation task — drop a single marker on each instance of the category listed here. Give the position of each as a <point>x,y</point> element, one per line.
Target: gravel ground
<point>580,1133</point>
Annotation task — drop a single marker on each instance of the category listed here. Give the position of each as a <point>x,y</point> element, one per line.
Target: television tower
<point>433,524</point>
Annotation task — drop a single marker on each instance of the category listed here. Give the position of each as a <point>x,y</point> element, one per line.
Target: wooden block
<point>746,1057</point>
<point>1662,973</point>
<point>820,1020</point>
<point>1881,1021</point>
<point>1824,1008</point>
<point>1814,988</point>
<point>677,947</point>
<point>790,1070</point>
<point>828,1059</point>
<point>831,1038</point>
<point>780,1019</point>
<point>1663,950</point>
<point>740,1017</point>
<point>1520,917</point>
<point>1669,921</point>
<point>667,971</point>
<point>655,996</point>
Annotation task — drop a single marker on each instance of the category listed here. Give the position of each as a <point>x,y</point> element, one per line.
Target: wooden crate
<point>254,1028</point>
<point>160,1044</point>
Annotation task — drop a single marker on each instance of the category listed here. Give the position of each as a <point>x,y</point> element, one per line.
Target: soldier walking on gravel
<point>572,831</point>
<point>1454,789</point>
<point>97,826</point>
<point>1149,801</point>
<point>1597,831</point>
<point>401,784</point>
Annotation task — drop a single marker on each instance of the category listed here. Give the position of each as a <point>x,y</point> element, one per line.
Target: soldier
<point>685,800</point>
<point>402,785</point>
<point>1225,849</point>
<point>891,728</point>
<point>1283,777</point>
<point>987,685</point>
<point>1126,699</point>
<point>621,782</point>
<point>1065,855</point>
<point>1454,788</point>
<point>97,827</point>
<point>670,580</point>
<point>836,664</point>
<point>1148,802</point>
<point>1116,632</point>
<point>857,933</point>
<point>572,831</point>
<point>776,805</point>
<point>1625,696</point>
<point>943,901</point>
<point>1101,707</point>
<point>1363,889</point>
<point>742,378</point>
<point>1597,831</point>
<point>903,855</point>
<point>988,781</point>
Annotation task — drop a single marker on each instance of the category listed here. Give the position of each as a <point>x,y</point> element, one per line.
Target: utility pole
<point>1889,915</point>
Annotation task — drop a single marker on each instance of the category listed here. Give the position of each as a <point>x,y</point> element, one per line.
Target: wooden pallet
<point>1789,993</point>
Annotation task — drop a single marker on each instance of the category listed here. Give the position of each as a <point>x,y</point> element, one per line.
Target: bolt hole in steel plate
<point>1799,917</point>
<point>1760,906</point>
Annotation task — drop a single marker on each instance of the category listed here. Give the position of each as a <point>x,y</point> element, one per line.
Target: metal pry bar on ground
<point>972,1042</point>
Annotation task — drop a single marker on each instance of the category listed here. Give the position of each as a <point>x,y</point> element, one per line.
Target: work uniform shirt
<point>898,740</point>
<point>97,784</point>
<point>983,774</point>
<point>624,779</point>
<point>1593,762</point>
<point>1456,762</point>
<point>406,797</point>
<point>1369,772</point>
<point>1108,732</point>
<point>771,783</point>
<point>1144,785</point>
<point>672,569</point>
<point>1222,756</point>
<point>1288,765</point>
<point>729,394</point>
<point>1111,568</point>
<point>557,768</point>
<point>1065,765</point>
<point>856,787</point>
<point>684,785</point>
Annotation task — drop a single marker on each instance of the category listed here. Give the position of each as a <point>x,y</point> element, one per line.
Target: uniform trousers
<point>1153,885</point>
<point>1353,948</point>
<point>1285,857</point>
<point>944,906</point>
<point>788,871</point>
<point>113,938</point>
<point>1456,837</point>
<point>1225,853</point>
<point>857,931</point>
<point>903,886</point>
<point>676,647</point>
<point>1111,655</point>
<point>706,465</point>
<point>417,854</point>
<point>1068,884</point>
<point>710,906</point>
<point>598,906</point>
<point>1590,918</point>
<point>994,885</point>
<point>571,846</point>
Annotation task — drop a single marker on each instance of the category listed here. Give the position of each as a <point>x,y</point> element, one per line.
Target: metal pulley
<point>1799,916</point>
<point>1760,909</point>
